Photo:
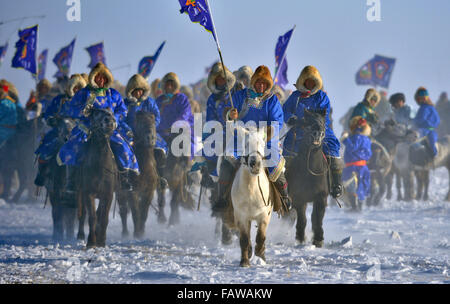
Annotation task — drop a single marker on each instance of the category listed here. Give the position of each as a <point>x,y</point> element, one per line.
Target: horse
<point>98,177</point>
<point>145,184</point>
<point>63,216</point>
<point>307,176</point>
<point>250,196</point>
<point>417,152</point>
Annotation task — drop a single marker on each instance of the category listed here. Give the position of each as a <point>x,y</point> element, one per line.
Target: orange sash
<point>358,163</point>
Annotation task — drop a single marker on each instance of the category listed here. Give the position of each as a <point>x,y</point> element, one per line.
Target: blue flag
<point>376,72</point>
<point>25,56</point>
<point>198,12</point>
<point>3,50</point>
<point>97,54</point>
<point>63,60</point>
<point>147,63</point>
<point>42,63</point>
<point>280,59</point>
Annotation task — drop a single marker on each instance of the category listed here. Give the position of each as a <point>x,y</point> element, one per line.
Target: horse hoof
<point>81,236</point>
<point>245,263</point>
<point>318,244</point>
<point>162,218</point>
<point>90,246</point>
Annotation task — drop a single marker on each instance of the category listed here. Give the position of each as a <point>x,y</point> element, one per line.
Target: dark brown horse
<point>307,175</point>
<point>145,184</point>
<point>98,176</point>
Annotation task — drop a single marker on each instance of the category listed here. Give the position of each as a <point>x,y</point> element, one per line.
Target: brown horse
<point>145,184</point>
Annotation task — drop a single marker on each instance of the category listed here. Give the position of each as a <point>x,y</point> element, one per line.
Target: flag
<point>376,72</point>
<point>25,56</point>
<point>63,59</point>
<point>147,63</point>
<point>198,12</point>
<point>280,59</point>
<point>3,50</point>
<point>97,54</point>
<point>42,63</point>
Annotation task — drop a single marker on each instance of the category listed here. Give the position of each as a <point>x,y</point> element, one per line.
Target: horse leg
<point>245,243</point>
<point>389,182</point>
<point>69,222</point>
<point>317,220</point>
<point>174,217</point>
<point>161,204</point>
<point>23,183</point>
<point>448,194</point>
<point>426,184</point>
<point>419,184</point>
<point>7,181</point>
<point>226,234</point>
<point>301,223</point>
<point>145,205</point>
<point>123,211</point>
<point>104,206</point>
<point>260,247</point>
<point>81,219</point>
<point>57,217</point>
<point>89,202</point>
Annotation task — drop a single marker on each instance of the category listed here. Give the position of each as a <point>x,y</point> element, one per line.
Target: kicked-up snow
<point>396,242</point>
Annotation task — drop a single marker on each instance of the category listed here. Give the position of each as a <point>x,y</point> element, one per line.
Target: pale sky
<point>333,35</point>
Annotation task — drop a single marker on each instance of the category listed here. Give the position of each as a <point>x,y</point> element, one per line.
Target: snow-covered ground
<point>397,242</point>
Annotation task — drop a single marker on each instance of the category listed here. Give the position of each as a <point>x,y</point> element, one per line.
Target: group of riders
<point>241,96</point>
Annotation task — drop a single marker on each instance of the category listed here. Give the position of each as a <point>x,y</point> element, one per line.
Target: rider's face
<point>260,86</point>
<point>138,93</point>
<point>169,87</point>
<point>220,81</point>
<point>100,80</point>
<point>309,84</point>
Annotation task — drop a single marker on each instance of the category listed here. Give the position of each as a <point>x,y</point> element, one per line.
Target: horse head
<point>103,122</point>
<point>313,126</point>
<point>254,149</point>
<point>145,132</point>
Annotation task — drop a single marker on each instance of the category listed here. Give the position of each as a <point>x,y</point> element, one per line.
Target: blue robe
<point>426,121</point>
<point>8,119</point>
<point>50,144</point>
<point>358,148</point>
<point>295,105</point>
<point>148,105</point>
<point>72,152</point>
<point>268,110</point>
<point>172,109</point>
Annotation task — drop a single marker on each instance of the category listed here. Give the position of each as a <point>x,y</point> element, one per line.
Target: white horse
<point>250,194</point>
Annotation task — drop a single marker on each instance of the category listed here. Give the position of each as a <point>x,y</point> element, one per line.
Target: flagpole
<point>284,55</point>
<point>220,53</point>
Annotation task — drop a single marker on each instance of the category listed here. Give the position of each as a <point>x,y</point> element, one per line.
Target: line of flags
<point>376,72</point>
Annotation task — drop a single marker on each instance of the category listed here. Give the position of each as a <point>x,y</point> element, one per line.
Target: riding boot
<point>42,173</point>
<point>282,187</point>
<point>225,179</point>
<point>125,183</point>
<point>336,176</point>
<point>161,158</point>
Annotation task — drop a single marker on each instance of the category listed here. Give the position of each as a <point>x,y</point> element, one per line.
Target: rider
<point>98,95</point>
<point>138,99</point>
<point>427,120</point>
<point>357,152</point>
<point>309,95</point>
<point>174,106</point>
<point>365,108</point>
<point>36,106</point>
<point>256,104</point>
<point>50,144</point>
<point>8,112</point>
<point>402,111</point>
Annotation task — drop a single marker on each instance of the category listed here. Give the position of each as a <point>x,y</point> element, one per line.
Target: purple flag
<point>280,59</point>
<point>3,50</point>
<point>97,54</point>
<point>25,56</point>
<point>376,72</point>
<point>198,12</point>
<point>42,63</point>
<point>63,60</point>
<point>147,63</point>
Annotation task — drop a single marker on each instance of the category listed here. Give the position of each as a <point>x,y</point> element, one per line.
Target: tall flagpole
<point>284,55</point>
<point>220,53</point>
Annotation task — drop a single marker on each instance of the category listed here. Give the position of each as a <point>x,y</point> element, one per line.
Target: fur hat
<point>44,83</point>
<point>309,72</point>
<point>217,70</point>
<point>156,90</point>
<point>74,81</point>
<point>277,90</point>
<point>137,81</point>
<point>396,97</point>
<point>85,77</point>
<point>422,97</point>
<point>170,76</point>
<point>359,124</point>
<point>244,74</point>
<point>262,72</point>
<point>372,94</point>
<point>187,90</point>
<point>100,68</point>
<point>11,91</point>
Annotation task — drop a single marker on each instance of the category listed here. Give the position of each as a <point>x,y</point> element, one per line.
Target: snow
<point>396,242</point>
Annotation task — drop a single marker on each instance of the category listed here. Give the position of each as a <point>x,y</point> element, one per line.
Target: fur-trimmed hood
<point>277,90</point>
<point>309,72</point>
<point>74,81</point>
<point>137,81</point>
<point>422,97</point>
<point>217,70</point>
<point>262,72</point>
<point>100,68</point>
<point>372,93</point>
<point>187,90</point>
<point>12,90</point>
<point>170,76</point>
<point>155,89</point>
<point>244,74</point>
<point>359,122</point>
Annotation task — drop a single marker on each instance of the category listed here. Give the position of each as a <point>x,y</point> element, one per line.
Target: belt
<point>358,163</point>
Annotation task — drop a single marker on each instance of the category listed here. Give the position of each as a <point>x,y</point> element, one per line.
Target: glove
<point>87,110</point>
<point>292,121</point>
<point>344,136</point>
<point>130,134</point>
<point>233,114</point>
